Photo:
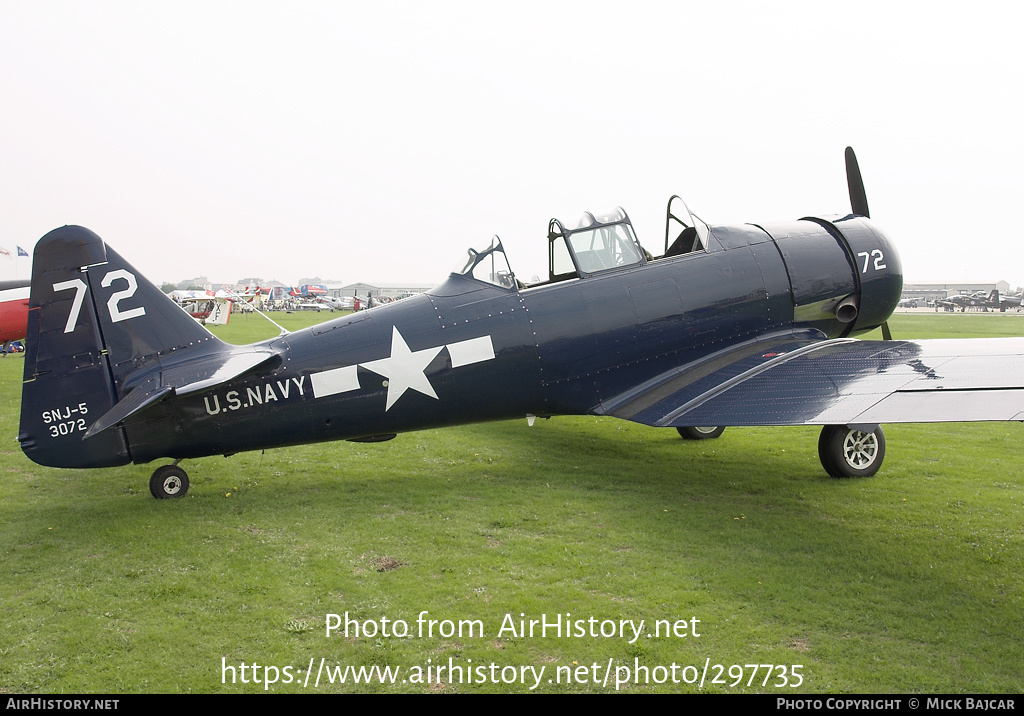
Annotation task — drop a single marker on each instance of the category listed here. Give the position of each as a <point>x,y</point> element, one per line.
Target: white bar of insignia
<point>474,350</point>
<point>331,382</point>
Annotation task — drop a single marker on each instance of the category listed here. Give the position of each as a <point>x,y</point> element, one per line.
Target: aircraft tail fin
<point>97,330</point>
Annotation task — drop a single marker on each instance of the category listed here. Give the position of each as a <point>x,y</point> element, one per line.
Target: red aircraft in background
<point>13,310</point>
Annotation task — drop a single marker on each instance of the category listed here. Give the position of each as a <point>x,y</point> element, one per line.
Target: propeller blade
<point>859,204</point>
<point>858,199</point>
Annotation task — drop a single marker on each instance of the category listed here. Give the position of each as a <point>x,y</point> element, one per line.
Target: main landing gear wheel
<point>701,433</point>
<point>168,481</point>
<point>845,452</point>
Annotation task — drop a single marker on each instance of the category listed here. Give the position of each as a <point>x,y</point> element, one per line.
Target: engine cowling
<point>844,272</point>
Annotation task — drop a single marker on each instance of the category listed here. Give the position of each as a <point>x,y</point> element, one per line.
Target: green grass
<point>910,581</point>
<point>246,328</point>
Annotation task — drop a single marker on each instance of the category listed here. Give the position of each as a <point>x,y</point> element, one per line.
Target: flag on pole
<point>22,252</point>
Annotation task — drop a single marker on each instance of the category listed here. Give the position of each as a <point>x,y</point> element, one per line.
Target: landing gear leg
<point>846,452</point>
<point>168,481</point>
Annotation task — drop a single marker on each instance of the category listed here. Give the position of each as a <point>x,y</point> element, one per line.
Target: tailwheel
<point>701,433</point>
<point>168,481</point>
<point>847,452</point>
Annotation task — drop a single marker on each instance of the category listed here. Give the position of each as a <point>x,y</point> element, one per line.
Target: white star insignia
<point>405,369</point>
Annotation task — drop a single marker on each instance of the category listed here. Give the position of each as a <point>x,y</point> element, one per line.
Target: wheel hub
<point>860,449</point>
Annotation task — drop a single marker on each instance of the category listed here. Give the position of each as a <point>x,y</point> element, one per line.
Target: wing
<point>837,382</point>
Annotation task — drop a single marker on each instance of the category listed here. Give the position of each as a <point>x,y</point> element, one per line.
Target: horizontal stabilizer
<point>188,377</point>
<point>136,401</point>
<point>208,371</point>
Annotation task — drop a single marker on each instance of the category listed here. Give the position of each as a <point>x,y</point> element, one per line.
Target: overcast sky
<point>375,141</point>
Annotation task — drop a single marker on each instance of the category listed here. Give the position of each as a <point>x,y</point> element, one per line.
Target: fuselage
<point>471,351</point>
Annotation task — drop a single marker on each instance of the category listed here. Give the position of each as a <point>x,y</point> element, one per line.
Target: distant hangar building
<point>932,291</point>
<point>381,290</point>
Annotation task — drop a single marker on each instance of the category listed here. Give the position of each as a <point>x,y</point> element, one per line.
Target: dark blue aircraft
<point>729,325</point>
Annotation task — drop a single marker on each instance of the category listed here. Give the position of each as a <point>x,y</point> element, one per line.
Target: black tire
<point>168,481</point>
<point>845,452</point>
<point>701,433</point>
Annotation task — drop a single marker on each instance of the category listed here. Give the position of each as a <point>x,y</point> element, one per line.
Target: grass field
<point>910,581</point>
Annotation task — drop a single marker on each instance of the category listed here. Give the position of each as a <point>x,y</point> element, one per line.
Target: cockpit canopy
<point>689,235</point>
<point>488,265</point>
<point>598,242</point>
